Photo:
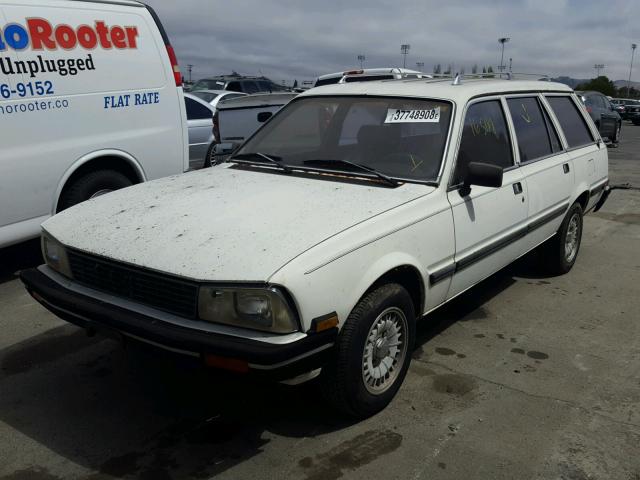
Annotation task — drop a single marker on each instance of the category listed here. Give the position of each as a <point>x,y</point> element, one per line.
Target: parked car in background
<point>238,84</point>
<point>369,74</point>
<point>619,106</point>
<point>605,117</point>
<point>237,119</point>
<point>632,111</point>
<point>85,118</point>
<point>200,128</point>
<point>345,219</point>
<point>214,96</point>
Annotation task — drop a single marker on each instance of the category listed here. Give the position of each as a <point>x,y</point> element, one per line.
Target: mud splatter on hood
<point>221,223</point>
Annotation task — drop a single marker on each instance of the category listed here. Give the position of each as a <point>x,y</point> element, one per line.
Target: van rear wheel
<point>92,185</point>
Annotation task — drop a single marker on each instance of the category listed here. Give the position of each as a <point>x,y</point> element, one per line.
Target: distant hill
<point>574,82</point>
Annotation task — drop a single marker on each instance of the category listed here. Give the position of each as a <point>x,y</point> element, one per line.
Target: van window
<point>249,87</point>
<point>571,121</point>
<point>531,130</point>
<point>196,111</point>
<point>485,138</point>
<point>234,87</point>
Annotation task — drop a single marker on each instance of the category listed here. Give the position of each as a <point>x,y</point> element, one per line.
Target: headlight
<point>55,255</point>
<point>257,308</point>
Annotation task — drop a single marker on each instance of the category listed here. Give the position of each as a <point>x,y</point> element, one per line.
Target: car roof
<point>438,88</point>
<point>198,99</point>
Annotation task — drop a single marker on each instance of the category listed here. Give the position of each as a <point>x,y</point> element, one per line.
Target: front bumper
<point>278,361</point>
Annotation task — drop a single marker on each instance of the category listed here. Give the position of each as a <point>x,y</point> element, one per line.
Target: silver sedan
<point>200,127</point>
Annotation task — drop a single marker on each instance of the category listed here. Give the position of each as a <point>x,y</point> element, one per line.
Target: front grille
<point>164,292</point>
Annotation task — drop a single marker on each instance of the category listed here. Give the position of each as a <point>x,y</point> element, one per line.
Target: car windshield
<point>206,96</point>
<point>398,137</point>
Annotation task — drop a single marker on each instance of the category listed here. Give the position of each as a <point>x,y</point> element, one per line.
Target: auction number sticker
<point>397,115</point>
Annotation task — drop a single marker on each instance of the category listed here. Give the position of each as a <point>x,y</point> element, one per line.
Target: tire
<point>343,381</point>
<point>616,138</point>
<point>560,258</point>
<point>209,158</point>
<point>91,185</point>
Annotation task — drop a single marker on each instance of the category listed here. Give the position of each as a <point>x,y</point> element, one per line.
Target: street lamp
<point>633,50</point>
<point>404,50</point>
<point>502,41</point>
<point>361,59</point>
<point>598,67</point>
<point>420,66</point>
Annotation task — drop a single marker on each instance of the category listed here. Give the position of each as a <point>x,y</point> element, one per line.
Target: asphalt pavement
<point>525,376</point>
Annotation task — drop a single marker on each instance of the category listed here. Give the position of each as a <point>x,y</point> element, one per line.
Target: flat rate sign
<point>397,115</point>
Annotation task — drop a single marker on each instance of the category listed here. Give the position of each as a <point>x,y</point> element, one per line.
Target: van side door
<point>545,165</point>
<point>488,221</point>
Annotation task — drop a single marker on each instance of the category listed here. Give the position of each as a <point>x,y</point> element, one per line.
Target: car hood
<point>222,223</point>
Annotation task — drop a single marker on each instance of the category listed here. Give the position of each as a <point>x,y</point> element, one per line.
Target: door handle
<point>517,188</point>
<point>565,167</point>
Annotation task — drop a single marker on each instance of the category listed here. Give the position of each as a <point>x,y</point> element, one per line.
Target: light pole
<point>189,68</point>
<point>598,67</point>
<point>404,50</point>
<point>633,50</point>
<point>361,59</point>
<point>502,41</point>
<point>420,66</point>
<point>510,63</point>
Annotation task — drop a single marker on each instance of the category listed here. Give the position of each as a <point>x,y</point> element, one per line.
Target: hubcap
<point>384,351</point>
<point>571,239</point>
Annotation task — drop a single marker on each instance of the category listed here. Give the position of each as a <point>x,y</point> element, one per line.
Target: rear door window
<point>485,138</point>
<point>249,87</point>
<point>571,121</point>
<point>531,129</point>
<point>195,110</point>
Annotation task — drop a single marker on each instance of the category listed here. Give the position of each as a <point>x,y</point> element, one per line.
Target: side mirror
<point>483,175</point>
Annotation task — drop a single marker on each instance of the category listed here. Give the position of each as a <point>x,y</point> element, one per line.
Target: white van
<point>90,101</point>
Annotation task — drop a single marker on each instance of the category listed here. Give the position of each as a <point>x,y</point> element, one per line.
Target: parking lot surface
<point>524,376</point>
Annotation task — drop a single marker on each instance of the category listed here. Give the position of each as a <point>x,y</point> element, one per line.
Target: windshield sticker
<point>396,115</point>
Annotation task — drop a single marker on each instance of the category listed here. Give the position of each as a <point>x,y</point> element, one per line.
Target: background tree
<point>601,84</point>
<point>437,68</point>
<point>474,69</point>
<point>490,70</point>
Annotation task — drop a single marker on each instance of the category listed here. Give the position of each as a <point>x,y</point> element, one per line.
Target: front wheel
<point>564,246</point>
<point>372,353</point>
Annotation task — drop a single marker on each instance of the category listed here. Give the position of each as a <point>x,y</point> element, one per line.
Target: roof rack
<point>457,78</point>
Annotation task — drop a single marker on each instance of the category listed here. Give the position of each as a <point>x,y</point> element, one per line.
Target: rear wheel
<point>563,248</point>
<point>617,134</point>
<point>209,159</point>
<point>372,353</point>
<point>92,185</point>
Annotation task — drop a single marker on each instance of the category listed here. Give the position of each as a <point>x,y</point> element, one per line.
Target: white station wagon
<point>353,212</point>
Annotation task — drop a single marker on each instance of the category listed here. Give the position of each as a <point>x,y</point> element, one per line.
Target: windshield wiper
<point>270,158</point>
<point>380,175</point>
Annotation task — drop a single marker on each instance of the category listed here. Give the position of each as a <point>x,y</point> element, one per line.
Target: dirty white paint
<point>222,223</point>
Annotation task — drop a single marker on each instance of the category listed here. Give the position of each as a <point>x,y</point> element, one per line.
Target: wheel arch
<point>102,159</point>
<point>409,277</point>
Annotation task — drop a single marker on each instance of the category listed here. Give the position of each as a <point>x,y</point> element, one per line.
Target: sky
<point>301,39</point>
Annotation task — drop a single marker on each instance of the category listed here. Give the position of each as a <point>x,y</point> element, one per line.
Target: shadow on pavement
<point>139,412</point>
<point>18,257</point>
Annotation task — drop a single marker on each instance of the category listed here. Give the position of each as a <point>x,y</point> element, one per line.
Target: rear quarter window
<point>79,61</point>
<point>571,121</point>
